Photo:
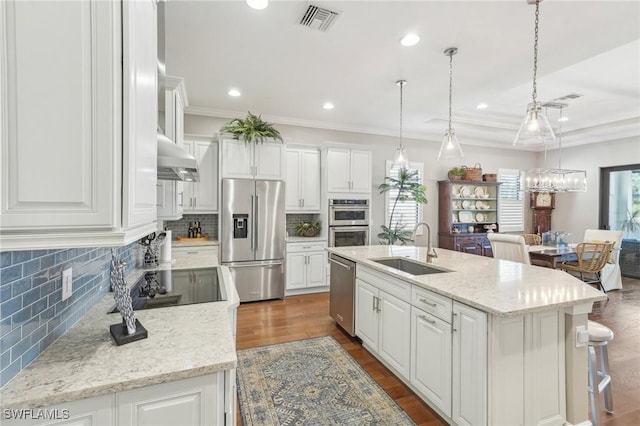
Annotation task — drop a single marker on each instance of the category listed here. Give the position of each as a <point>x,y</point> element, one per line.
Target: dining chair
<point>591,259</point>
<point>509,247</point>
<point>532,239</point>
<point>610,276</point>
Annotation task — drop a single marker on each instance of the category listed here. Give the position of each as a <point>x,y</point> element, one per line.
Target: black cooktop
<point>161,289</point>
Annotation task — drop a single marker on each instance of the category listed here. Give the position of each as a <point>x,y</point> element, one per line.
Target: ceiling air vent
<point>569,96</point>
<point>318,18</point>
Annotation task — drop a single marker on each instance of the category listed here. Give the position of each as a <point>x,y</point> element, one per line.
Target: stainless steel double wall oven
<point>348,222</point>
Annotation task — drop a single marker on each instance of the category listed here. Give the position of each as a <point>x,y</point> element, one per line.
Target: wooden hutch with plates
<point>467,210</point>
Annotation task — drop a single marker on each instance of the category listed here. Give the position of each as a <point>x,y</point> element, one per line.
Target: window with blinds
<point>511,206</point>
<point>406,212</point>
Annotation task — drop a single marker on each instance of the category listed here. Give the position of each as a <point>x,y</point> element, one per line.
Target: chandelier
<point>555,180</point>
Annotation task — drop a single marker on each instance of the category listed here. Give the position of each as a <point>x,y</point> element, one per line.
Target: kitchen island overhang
<point>520,301</point>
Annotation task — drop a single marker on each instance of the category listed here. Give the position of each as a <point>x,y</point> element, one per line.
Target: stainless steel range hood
<point>174,163</point>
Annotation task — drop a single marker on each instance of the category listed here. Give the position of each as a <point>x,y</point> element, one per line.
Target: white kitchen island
<point>486,342</point>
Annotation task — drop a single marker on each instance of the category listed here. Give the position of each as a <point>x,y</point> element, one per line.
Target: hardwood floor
<point>621,313</point>
<point>302,317</point>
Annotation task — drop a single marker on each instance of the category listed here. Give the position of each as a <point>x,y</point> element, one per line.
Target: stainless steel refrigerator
<point>252,236</point>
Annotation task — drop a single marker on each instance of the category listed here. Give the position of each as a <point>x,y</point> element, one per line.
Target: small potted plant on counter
<point>307,229</point>
<point>251,129</point>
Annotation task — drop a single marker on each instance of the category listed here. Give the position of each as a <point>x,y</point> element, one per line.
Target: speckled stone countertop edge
<point>498,287</point>
<point>65,371</point>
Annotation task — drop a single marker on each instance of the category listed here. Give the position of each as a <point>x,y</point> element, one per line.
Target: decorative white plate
<point>465,216</point>
<point>479,205</point>
<point>479,191</point>
<point>479,217</point>
<point>465,192</point>
<point>466,204</point>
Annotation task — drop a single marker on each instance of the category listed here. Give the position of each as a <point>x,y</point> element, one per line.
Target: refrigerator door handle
<point>255,223</point>
<point>269,263</point>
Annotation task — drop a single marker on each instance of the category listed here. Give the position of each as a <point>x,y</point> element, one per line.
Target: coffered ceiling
<point>286,71</point>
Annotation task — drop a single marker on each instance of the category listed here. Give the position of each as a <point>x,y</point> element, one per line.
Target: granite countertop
<point>187,243</point>
<point>296,239</point>
<point>499,287</point>
<point>184,341</point>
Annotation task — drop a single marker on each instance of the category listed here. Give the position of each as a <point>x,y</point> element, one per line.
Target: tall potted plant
<point>408,189</point>
<point>251,129</point>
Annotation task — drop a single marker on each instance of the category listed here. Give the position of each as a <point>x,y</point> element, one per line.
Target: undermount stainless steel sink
<point>409,266</point>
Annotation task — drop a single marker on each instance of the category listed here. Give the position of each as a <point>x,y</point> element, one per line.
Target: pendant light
<point>556,180</point>
<point>401,161</point>
<point>450,147</point>
<point>535,128</point>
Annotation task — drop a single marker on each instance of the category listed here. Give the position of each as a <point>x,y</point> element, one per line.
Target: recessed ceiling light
<point>233,92</point>
<point>563,119</point>
<point>410,40</point>
<point>257,4</point>
<point>481,105</point>
<point>327,105</point>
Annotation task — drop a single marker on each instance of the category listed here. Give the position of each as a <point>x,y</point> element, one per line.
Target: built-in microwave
<point>348,212</point>
<point>344,236</point>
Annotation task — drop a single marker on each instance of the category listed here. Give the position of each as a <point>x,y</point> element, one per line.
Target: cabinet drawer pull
<point>423,300</point>
<point>374,303</point>
<point>424,318</point>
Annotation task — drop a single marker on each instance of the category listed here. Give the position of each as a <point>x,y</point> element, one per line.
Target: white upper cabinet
<point>239,159</point>
<point>303,180</point>
<point>348,170</point>
<point>79,138</point>
<point>171,193</point>
<point>202,197</point>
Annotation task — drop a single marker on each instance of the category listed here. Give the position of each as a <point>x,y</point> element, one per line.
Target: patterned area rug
<point>311,382</point>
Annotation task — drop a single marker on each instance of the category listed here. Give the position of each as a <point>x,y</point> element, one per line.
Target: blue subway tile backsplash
<point>32,312</point>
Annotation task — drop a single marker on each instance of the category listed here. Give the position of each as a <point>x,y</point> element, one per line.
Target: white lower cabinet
<point>431,358</point>
<point>96,411</point>
<point>197,401</point>
<point>190,402</point>
<point>469,369</point>
<point>306,265</point>
<point>383,321</point>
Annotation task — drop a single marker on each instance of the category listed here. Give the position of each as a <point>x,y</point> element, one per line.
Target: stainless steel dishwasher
<point>342,293</point>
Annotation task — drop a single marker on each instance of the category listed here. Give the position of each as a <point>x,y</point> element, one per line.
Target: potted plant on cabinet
<point>455,173</point>
<point>251,129</point>
<point>407,188</point>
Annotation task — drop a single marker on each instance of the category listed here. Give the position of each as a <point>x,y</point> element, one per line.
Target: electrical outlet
<point>67,284</point>
<point>582,336</point>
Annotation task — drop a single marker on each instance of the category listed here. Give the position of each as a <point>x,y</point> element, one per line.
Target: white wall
<point>576,212</point>
<point>383,148</point>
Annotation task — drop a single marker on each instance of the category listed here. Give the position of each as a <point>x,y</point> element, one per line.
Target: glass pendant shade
<point>401,161</point>
<point>535,128</point>
<point>450,147</point>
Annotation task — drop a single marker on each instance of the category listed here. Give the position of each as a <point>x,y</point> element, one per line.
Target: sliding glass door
<point>620,210</point>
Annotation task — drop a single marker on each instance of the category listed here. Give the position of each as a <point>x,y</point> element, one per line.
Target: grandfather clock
<point>542,204</point>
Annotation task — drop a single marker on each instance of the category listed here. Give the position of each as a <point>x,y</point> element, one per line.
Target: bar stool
<point>599,336</point>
